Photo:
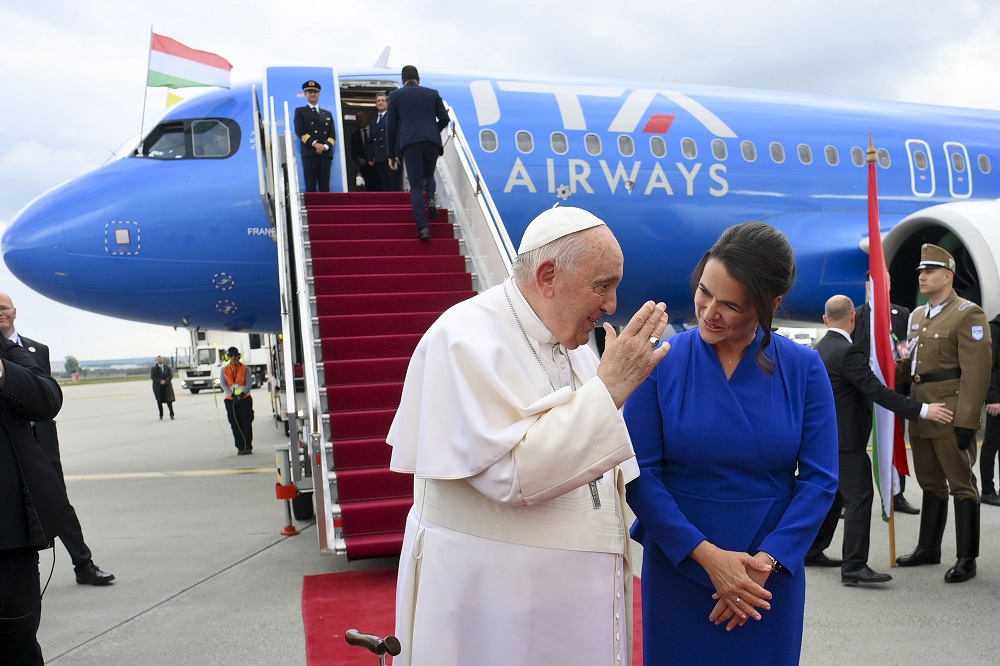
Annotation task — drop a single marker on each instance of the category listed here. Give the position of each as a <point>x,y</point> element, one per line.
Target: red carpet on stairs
<point>377,289</point>
<point>365,600</point>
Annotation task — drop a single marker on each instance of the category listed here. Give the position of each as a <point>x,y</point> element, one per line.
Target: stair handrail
<point>492,253</point>
<point>313,423</point>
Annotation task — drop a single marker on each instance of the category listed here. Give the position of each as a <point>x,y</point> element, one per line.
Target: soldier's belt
<point>939,376</point>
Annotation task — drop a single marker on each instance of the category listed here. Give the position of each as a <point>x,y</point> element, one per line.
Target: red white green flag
<point>173,65</point>
<point>884,432</point>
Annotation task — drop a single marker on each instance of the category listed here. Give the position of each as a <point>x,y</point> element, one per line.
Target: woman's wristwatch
<point>775,564</point>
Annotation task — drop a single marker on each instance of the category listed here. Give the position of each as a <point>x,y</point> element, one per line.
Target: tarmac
<point>192,533</point>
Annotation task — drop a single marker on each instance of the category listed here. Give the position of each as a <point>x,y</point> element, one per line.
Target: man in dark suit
<point>415,119</point>
<point>315,128</point>
<point>900,317</point>
<point>87,573</point>
<point>33,504</point>
<point>855,386</point>
<point>384,178</point>
<point>361,149</point>
<point>163,387</point>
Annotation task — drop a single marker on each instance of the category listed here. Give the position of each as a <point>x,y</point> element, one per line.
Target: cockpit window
<point>166,142</point>
<point>192,139</point>
<point>210,138</point>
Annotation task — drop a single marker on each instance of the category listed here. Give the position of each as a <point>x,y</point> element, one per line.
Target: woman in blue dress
<point>736,437</point>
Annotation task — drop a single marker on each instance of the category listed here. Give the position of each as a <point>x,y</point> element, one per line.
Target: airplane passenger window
<point>958,162</point>
<point>657,146</point>
<point>593,144</point>
<point>858,156</point>
<point>689,148</point>
<point>719,150</point>
<point>625,145</point>
<point>805,154</point>
<point>882,155</point>
<point>488,140</point>
<point>777,153</point>
<point>832,156</point>
<point>560,145</point>
<point>210,138</point>
<point>984,164</point>
<point>749,151</point>
<point>525,142</point>
<point>920,160</point>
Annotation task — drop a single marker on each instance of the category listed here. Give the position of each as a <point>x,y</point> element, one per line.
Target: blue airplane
<point>177,234</point>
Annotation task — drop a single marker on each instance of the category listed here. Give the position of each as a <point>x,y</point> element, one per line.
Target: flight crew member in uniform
<point>899,318</point>
<point>949,359</point>
<point>87,573</point>
<point>510,424</point>
<point>236,380</point>
<point>315,129</point>
<point>855,386</point>
<point>385,179</point>
<point>33,504</point>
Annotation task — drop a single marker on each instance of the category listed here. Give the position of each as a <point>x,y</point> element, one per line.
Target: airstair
<point>357,293</point>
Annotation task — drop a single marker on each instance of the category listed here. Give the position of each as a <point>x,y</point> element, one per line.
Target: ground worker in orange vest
<point>236,381</point>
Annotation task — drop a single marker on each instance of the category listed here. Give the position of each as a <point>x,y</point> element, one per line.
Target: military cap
<point>932,256</point>
<point>311,85</point>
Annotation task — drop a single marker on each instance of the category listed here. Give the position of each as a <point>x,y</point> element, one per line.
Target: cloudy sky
<point>74,74</point>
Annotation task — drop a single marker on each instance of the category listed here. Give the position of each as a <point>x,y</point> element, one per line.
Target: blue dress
<point>749,464</point>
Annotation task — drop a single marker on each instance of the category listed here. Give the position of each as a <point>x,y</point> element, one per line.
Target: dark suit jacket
<point>33,503</point>
<point>45,431</point>
<point>311,126</point>
<point>379,149</point>
<point>415,114</point>
<point>164,393</point>
<point>855,386</point>
<point>360,150</point>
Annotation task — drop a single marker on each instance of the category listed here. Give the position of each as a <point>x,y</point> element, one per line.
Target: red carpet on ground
<point>365,600</point>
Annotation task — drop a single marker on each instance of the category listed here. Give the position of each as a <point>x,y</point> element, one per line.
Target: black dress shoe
<point>920,555</point>
<point>432,212</point>
<point>900,505</point>
<point>863,575</point>
<point>89,574</point>
<point>424,234</point>
<point>821,560</point>
<point>991,498</point>
<point>964,569</point>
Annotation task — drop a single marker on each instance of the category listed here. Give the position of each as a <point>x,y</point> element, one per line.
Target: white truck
<point>198,366</point>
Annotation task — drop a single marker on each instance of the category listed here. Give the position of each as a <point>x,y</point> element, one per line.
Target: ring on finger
<point>738,600</point>
<point>653,339</point>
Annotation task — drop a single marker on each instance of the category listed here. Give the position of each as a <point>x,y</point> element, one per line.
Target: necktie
<point>315,109</point>
<point>380,117</point>
<point>364,135</point>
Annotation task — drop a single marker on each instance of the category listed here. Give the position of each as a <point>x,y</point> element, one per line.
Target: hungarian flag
<point>886,440</point>
<point>173,65</point>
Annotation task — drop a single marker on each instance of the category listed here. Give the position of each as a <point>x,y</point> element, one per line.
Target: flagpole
<point>145,89</point>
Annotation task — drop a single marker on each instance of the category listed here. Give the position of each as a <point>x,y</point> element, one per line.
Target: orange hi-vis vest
<point>235,375</point>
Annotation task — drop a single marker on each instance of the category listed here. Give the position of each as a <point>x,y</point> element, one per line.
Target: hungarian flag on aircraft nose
<point>173,65</point>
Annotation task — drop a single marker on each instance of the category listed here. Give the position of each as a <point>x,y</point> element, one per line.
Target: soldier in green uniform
<point>949,360</point>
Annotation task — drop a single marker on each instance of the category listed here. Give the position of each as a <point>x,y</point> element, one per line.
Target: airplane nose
<point>33,247</point>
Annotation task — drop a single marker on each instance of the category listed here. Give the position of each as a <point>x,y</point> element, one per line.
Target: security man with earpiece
<point>33,503</point>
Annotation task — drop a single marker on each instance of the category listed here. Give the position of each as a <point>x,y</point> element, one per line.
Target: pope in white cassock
<point>516,549</point>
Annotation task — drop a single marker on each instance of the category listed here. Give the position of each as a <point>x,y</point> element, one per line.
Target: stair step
<point>375,516</point>
<point>384,248</point>
<point>373,483</point>
<point>358,397</point>
<point>314,199</point>
<point>381,231</point>
<point>426,301</point>
<point>347,325</point>
<point>382,215</point>
<point>364,546</point>
<point>437,263</point>
<point>365,371</point>
<point>394,283</point>
<point>369,346</point>
<point>360,425</point>
<point>354,453</point>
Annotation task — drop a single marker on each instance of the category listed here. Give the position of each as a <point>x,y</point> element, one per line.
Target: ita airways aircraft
<point>177,233</point>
